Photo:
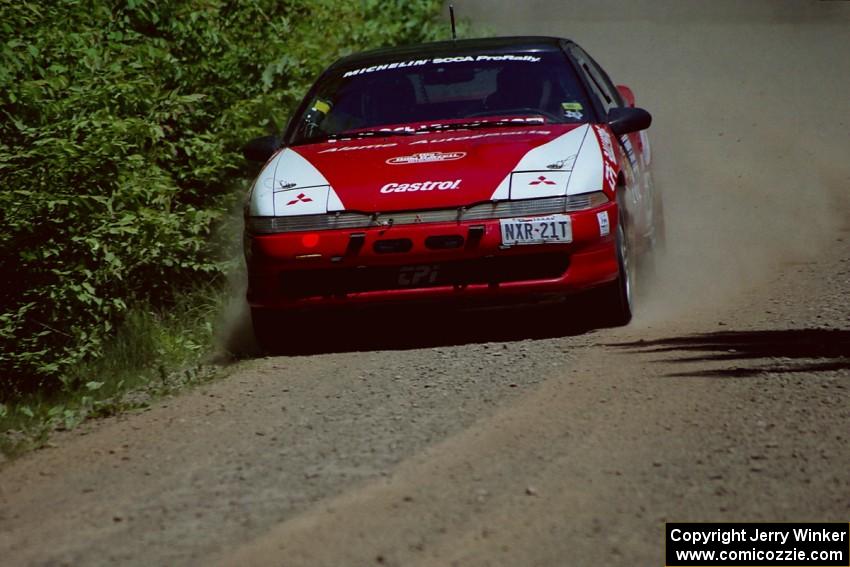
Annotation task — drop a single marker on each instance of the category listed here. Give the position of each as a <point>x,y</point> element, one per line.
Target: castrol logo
<point>420,186</point>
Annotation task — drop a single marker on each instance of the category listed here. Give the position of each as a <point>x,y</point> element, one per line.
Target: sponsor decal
<point>300,198</point>
<point>440,61</point>
<point>355,148</point>
<point>604,225</point>
<point>543,180</point>
<point>415,275</point>
<point>286,184</point>
<point>420,186</point>
<point>385,66</point>
<point>607,147</point>
<point>426,157</point>
<point>573,110</point>
<point>479,136</point>
<point>608,151</point>
<point>477,58</point>
<point>610,175</point>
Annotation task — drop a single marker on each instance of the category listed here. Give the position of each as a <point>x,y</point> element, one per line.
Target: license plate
<point>537,230</point>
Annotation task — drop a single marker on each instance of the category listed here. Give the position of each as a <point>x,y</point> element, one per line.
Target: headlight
<point>586,201</point>
<point>323,221</point>
<point>482,211</point>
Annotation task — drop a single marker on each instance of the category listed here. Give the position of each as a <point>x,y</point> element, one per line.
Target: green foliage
<point>121,124</point>
<point>153,353</point>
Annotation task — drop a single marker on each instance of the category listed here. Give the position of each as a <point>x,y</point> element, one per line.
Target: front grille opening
<point>392,246</point>
<point>444,242</point>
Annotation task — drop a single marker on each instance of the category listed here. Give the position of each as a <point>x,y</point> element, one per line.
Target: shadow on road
<point>412,328</point>
<point>797,350</point>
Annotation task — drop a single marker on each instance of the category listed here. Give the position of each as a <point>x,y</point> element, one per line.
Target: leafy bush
<point>152,354</point>
<point>120,132</point>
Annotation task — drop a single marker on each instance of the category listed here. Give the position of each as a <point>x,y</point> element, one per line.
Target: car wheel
<point>617,296</point>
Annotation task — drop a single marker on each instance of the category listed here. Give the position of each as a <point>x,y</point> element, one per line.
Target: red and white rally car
<point>493,169</point>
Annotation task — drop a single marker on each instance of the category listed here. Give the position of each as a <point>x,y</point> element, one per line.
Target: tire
<point>617,296</point>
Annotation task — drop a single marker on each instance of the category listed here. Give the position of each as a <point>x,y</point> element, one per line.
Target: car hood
<point>430,171</point>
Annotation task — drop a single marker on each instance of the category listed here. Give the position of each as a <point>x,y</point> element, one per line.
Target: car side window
<point>599,81</point>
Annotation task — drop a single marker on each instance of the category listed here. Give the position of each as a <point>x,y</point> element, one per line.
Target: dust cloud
<point>233,332</point>
<point>750,134</point>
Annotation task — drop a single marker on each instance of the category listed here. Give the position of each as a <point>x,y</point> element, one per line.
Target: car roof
<point>515,44</point>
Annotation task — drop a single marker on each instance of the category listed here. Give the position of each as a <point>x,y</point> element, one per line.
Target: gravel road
<point>726,399</point>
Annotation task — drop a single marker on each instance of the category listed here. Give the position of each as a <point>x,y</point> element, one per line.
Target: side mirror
<point>261,149</point>
<point>624,120</point>
<point>627,95</point>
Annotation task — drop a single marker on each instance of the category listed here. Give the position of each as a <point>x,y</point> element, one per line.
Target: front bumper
<point>446,261</point>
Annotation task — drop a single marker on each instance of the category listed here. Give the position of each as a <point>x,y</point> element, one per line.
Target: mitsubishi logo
<point>300,198</point>
<point>540,180</point>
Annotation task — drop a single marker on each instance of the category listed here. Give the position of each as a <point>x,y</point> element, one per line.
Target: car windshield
<point>364,100</point>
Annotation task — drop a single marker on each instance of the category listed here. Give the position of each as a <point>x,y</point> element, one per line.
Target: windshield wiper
<point>476,124</point>
<point>370,134</point>
<point>411,131</point>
